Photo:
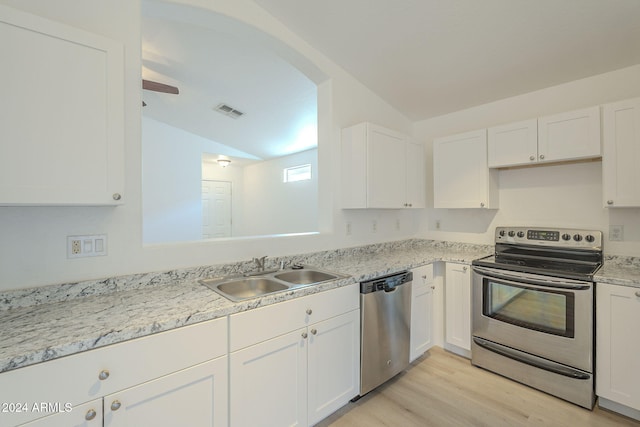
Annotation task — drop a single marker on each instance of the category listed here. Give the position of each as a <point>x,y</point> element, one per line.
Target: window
<point>297,173</point>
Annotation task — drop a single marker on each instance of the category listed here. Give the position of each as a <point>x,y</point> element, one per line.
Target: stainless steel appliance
<point>533,305</point>
<point>385,319</point>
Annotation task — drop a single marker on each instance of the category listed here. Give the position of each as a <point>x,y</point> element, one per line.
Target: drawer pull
<point>115,405</point>
<point>309,311</point>
<point>304,335</point>
<point>104,374</point>
<point>91,414</point>
<point>314,331</point>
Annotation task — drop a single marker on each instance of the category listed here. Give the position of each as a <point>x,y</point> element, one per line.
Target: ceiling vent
<point>228,111</point>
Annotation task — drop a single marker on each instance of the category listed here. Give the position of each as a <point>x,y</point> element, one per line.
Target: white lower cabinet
<point>617,348</point>
<point>295,362</point>
<point>458,308</point>
<point>421,311</point>
<point>196,396</point>
<point>151,378</point>
<point>86,415</point>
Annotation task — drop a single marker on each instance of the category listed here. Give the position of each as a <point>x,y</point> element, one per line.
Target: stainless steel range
<point>533,305</point>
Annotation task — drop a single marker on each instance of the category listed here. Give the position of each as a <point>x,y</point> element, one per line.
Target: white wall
<point>33,247</point>
<point>272,206</point>
<point>567,195</point>
<point>171,183</point>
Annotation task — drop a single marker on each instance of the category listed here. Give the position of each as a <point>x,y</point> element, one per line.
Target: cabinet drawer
<point>75,379</point>
<point>254,326</point>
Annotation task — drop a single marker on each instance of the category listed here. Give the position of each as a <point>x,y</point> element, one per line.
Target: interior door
<point>216,209</point>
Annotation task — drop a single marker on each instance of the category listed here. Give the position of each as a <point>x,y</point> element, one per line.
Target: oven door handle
<point>536,280</point>
<point>556,368</point>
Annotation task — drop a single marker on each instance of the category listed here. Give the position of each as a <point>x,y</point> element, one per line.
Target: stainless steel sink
<point>253,286</point>
<point>239,289</point>
<point>305,277</point>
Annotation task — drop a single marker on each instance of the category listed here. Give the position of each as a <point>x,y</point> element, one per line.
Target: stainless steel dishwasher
<point>385,310</point>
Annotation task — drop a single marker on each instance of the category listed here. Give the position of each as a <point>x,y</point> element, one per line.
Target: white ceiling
<point>212,60</point>
<point>431,57</point>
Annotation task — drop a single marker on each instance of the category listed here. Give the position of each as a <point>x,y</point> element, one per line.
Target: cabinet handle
<point>115,405</point>
<point>304,335</point>
<point>117,196</point>
<point>532,158</point>
<point>91,414</point>
<point>638,294</point>
<point>313,331</point>
<point>103,375</point>
<point>609,202</point>
<point>309,311</point>
<point>541,156</point>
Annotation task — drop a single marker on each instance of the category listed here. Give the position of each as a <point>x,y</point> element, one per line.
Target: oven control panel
<point>557,237</point>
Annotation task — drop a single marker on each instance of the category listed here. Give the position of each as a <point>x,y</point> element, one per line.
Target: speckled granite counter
<point>54,321</point>
<point>619,270</point>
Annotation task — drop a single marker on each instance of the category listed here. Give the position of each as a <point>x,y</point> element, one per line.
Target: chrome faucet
<point>260,262</point>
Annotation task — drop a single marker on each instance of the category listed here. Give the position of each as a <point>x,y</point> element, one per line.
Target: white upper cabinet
<point>381,168</point>
<point>513,144</point>
<point>61,115</point>
<point>621,153</point>
<point>569,136</point>
<point>572,135</point>
<point>461,177</point>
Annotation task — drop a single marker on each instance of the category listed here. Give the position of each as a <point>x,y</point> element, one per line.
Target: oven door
<point>545,316</point>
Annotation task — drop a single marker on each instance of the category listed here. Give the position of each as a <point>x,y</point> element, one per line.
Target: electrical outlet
<point>86,246</point>
<point>348,229</point>
<point>616,233</point>
<point>374,226</point>
<point>397,224</point>
<point>437,224</point>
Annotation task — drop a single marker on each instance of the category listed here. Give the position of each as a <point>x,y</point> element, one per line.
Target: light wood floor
<point>443,389</point>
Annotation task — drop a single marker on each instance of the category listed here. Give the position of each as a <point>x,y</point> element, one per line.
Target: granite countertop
<point>619,270</point>
<point>46,323</point>
<point>54,321</point>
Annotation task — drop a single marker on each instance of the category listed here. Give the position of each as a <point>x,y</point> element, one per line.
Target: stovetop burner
<point>568,253</point>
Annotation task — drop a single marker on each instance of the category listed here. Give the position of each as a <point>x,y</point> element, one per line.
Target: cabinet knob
<point>117,196</point>
<point>609,202</point>
<point>309,311</point>
<point>424,276</point>
<point>91,414</point>
<point>541,156</point>
<point>410,205</point>
<point>433,287</point>
<point>482,205</point>
<point>638,294</point>
<point>115,405</point>
<point>304,335</point>
<point>532,158</point>
<point>314,331</point>
<point>464,268</point>
<point>103,375</point>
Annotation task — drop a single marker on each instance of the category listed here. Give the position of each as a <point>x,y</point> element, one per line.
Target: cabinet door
<point>333,364</point>
<point>618,344</point>
<point>268,383</point>
<point>421,311</point>
<point>621,154</point>
<point>569,136</point>
<point>86,415</point>
<point>461,177</point>
<point>385,169</point>
<point>458,306</point>
<point>513,144</point>
<point>61,115</point>
<point>196,397</point>
<point>415,175</point>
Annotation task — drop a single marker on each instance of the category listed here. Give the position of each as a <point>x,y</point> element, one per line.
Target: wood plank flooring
<point>443,389</point>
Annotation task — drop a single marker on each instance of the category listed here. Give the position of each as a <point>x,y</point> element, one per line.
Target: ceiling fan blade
<point>159,87</point>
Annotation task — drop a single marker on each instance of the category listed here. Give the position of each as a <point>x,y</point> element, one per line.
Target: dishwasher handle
<point>386,283</point>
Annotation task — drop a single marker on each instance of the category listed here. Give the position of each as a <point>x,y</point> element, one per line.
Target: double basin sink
<point>246,287</point>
